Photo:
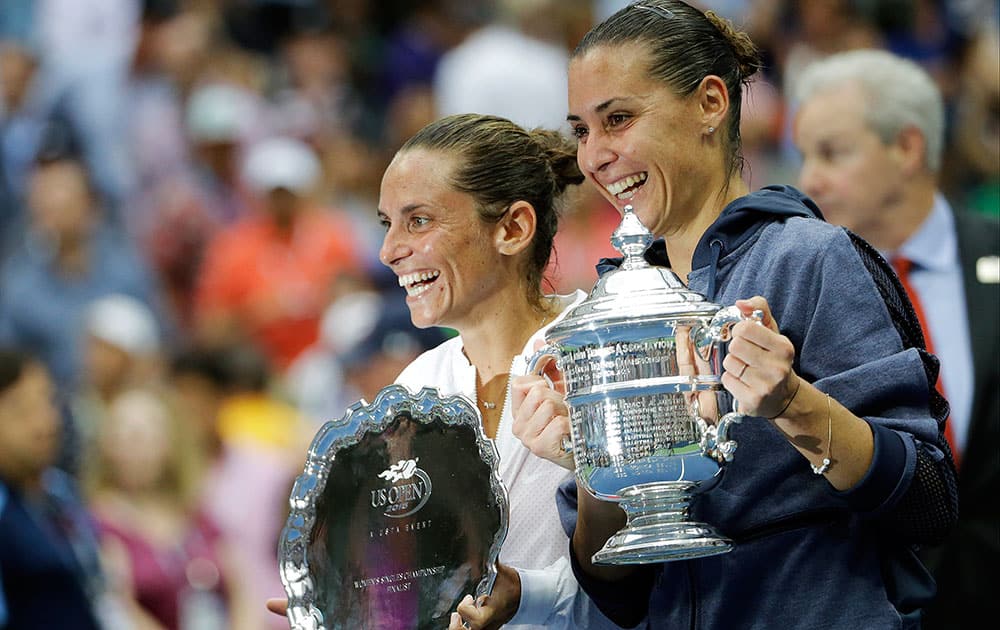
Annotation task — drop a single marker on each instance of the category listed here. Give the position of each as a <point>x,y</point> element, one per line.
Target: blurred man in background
<point>267,279</point>
<point>871,130</point>
<point>69,258</point>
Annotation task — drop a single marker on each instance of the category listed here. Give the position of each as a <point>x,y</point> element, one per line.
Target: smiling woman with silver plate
<point>469,205</point>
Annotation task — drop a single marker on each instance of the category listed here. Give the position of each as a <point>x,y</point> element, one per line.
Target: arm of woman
<point>853,333</point>
<point>758,372</point>
<point>837,443</point>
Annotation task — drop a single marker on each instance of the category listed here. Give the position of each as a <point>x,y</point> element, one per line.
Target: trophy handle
<point>724,447</point>
<point>536,359</point>
<point>715,442</point>
<point>720,329</point>
<point>549,351</point>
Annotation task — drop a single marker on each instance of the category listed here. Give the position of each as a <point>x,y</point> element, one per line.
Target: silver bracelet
<point>825,466</point>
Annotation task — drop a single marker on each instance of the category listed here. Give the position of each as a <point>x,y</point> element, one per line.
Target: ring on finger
<point>742,370</point>
<point>567,444</point>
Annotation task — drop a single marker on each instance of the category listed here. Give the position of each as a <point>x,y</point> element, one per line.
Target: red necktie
<point>903,267</point>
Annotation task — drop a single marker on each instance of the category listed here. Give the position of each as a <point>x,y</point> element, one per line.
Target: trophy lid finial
<point>632,238</point>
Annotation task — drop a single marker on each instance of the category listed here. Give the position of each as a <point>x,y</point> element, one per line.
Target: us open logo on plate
<point>409,491</point>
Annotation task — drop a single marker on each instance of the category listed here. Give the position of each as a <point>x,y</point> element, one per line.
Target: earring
<point>711,130</point>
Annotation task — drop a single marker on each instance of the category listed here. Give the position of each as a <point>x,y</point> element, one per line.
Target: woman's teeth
<point>417,283</point>
<point>625,188</point>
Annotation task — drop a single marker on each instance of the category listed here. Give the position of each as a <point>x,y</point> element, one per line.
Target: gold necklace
<point>487,405</point>
<point>546,319</point>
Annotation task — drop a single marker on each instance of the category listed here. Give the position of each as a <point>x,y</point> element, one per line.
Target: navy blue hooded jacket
<point>807,556</point>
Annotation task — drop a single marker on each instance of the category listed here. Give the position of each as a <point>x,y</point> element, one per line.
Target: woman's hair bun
<point>560,152</point>
<point>744,50</point>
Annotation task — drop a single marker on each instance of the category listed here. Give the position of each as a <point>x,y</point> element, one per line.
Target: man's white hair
<point>898,94</point>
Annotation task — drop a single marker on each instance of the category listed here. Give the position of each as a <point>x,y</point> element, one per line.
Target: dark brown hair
<point>685,46</point>
<point>500,163</point>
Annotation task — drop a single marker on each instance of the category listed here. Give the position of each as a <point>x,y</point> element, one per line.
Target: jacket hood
<point>739,221</point>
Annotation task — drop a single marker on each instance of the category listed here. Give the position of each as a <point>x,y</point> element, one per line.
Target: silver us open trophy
<point>641,360</point>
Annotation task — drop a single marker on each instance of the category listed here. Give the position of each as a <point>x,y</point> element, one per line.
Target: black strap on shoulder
<point>929,508</point>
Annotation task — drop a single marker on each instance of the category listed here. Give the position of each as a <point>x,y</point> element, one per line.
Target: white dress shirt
<point>936,278</point>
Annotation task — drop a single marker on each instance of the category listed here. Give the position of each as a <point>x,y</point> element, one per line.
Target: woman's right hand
<point>541,419</point>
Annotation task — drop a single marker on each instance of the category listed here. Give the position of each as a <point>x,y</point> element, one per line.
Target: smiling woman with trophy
<point>839,466</point>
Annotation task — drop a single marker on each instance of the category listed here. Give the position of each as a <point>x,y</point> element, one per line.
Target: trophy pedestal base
<point>658,529</point>
<point>652,543</point>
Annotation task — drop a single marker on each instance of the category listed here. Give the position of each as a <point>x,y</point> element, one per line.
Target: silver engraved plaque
<point>399,513</point>
<point>641,361</point>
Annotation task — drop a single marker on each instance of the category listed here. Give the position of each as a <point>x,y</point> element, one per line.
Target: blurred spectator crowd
<point>189,242</point>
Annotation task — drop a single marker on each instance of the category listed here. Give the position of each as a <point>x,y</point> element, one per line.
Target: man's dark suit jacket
<point>967,565</point>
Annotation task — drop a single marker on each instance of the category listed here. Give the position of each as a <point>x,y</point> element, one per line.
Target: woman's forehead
<point>610,68</point>
<point>421,178</point>
<point>436,167</point>
<point>417,171</point>
<point>615,58</point>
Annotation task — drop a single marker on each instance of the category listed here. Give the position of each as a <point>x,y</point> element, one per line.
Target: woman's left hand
<point>278,605</point>
<point>758,368</point>
<point>493,610</point>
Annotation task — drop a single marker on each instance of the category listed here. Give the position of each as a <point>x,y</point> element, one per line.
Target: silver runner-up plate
<point>399,513</point>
